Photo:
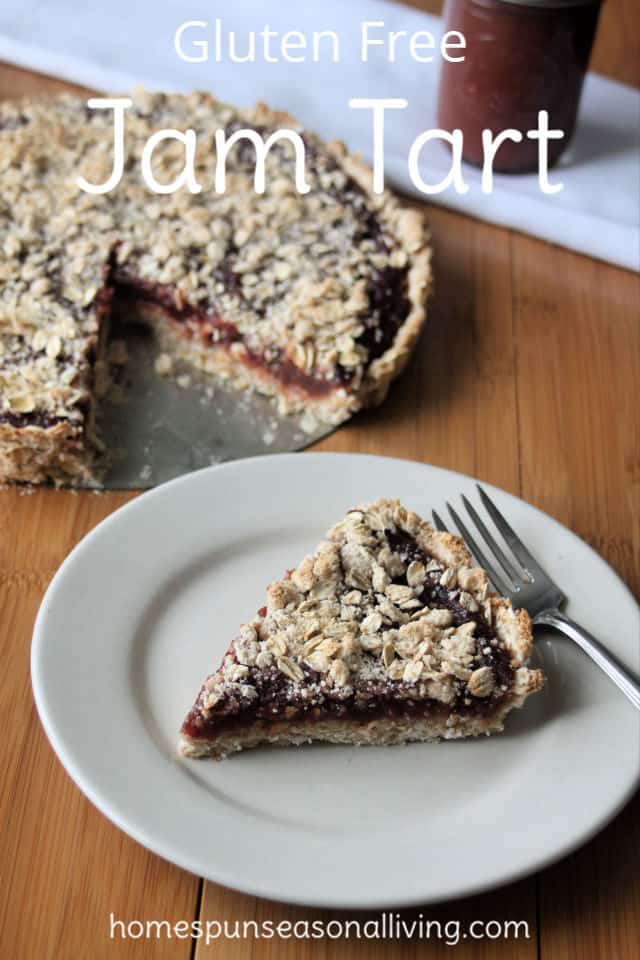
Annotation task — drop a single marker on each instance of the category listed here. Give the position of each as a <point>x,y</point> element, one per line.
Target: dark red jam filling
<point>373,699</point>
<point>434,594</point>
<point>389,308</point>
<point>195,322</point>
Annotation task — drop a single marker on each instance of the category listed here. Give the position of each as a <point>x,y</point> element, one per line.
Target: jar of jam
<point>521,56</point>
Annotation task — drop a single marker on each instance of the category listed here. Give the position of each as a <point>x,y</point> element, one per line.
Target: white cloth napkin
<point>111,45</point>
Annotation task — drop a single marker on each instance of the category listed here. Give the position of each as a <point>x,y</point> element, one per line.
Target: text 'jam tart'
<point>386,634</point>
<point>316,299</point>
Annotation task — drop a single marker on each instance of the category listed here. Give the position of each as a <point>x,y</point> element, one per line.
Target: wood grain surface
<point>528,377</point>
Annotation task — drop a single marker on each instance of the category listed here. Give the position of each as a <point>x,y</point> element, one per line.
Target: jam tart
<point>316,299</point>
<point>386,634</point>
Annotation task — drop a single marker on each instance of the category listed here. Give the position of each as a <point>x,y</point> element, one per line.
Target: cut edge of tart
<point>317,303</point>
<point>385,634</point>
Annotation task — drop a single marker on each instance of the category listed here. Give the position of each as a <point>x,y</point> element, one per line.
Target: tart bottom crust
<point>361,733</point>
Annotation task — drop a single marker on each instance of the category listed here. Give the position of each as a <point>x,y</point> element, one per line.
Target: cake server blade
<point>156,428</point>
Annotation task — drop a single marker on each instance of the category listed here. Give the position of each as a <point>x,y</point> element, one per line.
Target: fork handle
<point>594,649</point>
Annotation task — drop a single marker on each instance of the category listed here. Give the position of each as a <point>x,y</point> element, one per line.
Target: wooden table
<point>529,378</point>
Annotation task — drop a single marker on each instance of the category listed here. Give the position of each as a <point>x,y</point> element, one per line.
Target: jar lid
<point>548,4</point>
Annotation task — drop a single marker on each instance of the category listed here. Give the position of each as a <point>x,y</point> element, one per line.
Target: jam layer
<point>389,307</point>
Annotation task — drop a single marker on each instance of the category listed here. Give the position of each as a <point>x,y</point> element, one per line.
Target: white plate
<point>145,606</point>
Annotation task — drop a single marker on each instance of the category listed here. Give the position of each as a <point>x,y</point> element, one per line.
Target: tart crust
<point>332,285</point>
<point>386,634</point>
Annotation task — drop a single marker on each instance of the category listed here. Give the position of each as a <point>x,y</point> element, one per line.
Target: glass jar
<point>521,56</point>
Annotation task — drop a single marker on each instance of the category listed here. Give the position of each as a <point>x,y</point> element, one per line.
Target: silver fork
<point>518,575</point>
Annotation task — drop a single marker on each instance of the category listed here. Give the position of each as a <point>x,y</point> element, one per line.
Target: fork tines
<point>511,566</point>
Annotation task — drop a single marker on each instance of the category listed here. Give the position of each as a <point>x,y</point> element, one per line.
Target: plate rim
<point>166,849</point>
